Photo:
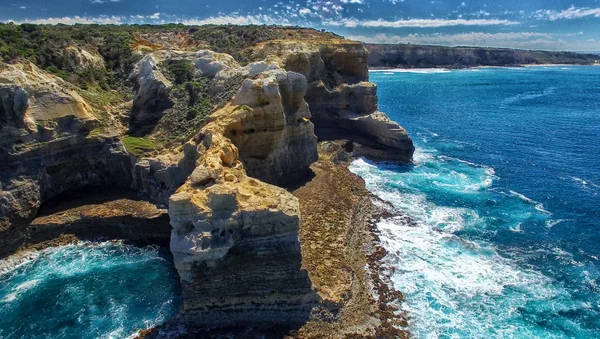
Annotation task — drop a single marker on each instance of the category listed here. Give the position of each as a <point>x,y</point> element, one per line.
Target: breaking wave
<point>88,290</point>
<point>456,283</point>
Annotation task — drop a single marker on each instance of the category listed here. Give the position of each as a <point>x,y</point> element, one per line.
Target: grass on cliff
<point>139,146</point>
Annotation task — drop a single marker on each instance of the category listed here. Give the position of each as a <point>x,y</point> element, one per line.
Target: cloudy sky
<point>535,24</point>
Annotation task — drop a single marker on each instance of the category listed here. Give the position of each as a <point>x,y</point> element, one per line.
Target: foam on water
<point>458,286</point>
<point>526,221</point>
<point>413,70</point>
<point>88,290</point>
<point>530,95</point>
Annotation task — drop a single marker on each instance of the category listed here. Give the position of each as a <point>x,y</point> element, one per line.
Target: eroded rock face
<point>276,138</point>
<point>152,97</point>
<point>272,134</point>
<point>36,106</point>
<point>235,235</point>
<point>235,238</point>
<point>45,149</point>
<point>342,102</point>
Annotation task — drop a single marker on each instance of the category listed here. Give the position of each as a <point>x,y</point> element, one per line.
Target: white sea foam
<point>585,183</point>
<point>529,95</point>
<point>551,223</point>
<point>19,290</point>
<point>455,288</point>
<point>412,70</point>
<point>537,205</point>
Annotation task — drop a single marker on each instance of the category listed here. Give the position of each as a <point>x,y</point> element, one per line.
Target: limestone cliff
<point>46,148</point>
<point>423,56</point>
<point>235,238</point>
<point>342,101</point>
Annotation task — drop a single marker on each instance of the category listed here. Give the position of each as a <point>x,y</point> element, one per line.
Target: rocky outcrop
<point>420,56</point>
<point>338,215</point>
<point>274,130</point>
<point>152,97</point>
<point>275,137</point>
<point>46,148</point>
<point>342,101</point>
<point>160,176</point>
<point>100,214</point>
<point>235,238</point>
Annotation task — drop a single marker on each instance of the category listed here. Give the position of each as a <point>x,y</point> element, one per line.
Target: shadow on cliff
<point>95,213</point>
<point>310,175</point>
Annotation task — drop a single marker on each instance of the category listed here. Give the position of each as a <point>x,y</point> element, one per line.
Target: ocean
<point>89,290</point>
<point>505,198</point>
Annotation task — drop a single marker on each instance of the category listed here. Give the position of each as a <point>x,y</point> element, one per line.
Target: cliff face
<point>235,238</point>
<point>46,148</point>
<point>418,56</point>
<point>342,101</point>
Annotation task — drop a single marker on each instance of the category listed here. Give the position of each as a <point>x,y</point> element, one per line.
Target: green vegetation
<point>101,98</point>
<point>181,71</point>
<point>58,49</point>
<point>52,47</point>
<point>97,60</point>
<point>234,39</point>
<point>139,146</point>
<point>192,102</point>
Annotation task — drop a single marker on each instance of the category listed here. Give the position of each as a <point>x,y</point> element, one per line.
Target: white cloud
<point>352,1</point>
<point>237,20</point>
<point>571,13</point>
<point>119,20</point>
<point>106,20</point>
<point>304,11</point>
<point>420,23</point>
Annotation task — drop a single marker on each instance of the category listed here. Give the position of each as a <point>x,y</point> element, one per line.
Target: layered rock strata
<point>100,214</point>
<point>235,238</point>
<point>342,101</point>
<point>425,56</point>
<point>46,148</point>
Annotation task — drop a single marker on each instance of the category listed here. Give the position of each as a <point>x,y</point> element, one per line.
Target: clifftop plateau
<point>425,56</point>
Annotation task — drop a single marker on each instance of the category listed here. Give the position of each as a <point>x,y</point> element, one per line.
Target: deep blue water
<point>505,192</point>
<point>91,290</point>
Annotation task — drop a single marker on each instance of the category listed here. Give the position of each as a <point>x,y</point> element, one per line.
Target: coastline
<point>358,298</point>
<point>439,69</point>
<point>227,186</point>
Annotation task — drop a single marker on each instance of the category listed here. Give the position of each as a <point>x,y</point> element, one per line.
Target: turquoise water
<point>91,290</point>
<point>505,195</point>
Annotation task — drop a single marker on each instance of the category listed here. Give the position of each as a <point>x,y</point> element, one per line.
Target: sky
<point>531,24</point>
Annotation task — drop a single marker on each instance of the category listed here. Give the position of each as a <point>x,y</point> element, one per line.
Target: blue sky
<point>535,24</point>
